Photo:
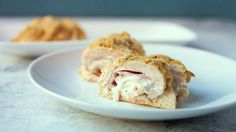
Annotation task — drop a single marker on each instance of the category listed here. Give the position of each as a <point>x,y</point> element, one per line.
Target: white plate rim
<point>43,43</point>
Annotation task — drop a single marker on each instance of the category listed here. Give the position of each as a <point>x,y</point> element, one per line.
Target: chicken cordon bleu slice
<point>181,76</point>
<point>103,50</point>
<point>150,81</point>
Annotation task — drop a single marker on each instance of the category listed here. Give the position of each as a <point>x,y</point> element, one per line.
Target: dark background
<point>180,8</point>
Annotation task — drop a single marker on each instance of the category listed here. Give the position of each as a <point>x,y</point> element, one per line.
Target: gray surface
<point>24,108</point>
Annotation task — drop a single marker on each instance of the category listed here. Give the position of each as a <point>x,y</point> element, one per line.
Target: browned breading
<point>179,71</point>
<point>50,29</point>
<point>163,58</point>
<point>122,42</point>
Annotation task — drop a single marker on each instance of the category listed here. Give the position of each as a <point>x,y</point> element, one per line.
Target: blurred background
<point>213,21</point>
<point>173,8</point>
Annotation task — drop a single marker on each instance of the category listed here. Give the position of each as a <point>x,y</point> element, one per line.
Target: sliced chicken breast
<point>140,80</point>
<point>103,50</point>
<point>181,76</point>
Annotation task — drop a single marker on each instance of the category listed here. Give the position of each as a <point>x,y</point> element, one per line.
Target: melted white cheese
<point>130,86</point>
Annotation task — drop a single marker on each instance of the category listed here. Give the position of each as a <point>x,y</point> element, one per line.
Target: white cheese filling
<point>130,86</point>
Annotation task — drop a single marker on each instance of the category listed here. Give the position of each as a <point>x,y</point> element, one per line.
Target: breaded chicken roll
<point>156,81</point>
<point>103,50</point>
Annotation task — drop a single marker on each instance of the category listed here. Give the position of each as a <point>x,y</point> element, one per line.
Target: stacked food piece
<point>123,73</point>
<point>103,50</point>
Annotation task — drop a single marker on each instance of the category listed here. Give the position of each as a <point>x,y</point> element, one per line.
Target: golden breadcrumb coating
<point>50,29</point>
<point>163,58</point>
<point>122,42</point>
<point>181,76</point>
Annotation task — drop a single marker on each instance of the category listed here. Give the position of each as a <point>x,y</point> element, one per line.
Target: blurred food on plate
<point>50,28</point>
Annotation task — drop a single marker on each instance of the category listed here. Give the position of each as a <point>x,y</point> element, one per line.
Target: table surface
<point>25,108</point>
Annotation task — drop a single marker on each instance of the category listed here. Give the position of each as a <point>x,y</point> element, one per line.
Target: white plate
<point>143,30</point>
<point>39,48</point>
<point>212,89</point>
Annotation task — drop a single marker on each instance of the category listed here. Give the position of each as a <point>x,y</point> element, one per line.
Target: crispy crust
<point>122,42</point>
<point>50,29</point>
<point>182,91</point>
<point>165,59</point>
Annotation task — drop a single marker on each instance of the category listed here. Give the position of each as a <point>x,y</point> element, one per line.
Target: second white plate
<point>39,48</point>
<point>142,30</point>
<point>212,89</point>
